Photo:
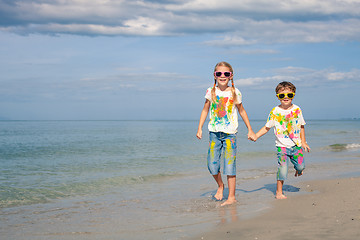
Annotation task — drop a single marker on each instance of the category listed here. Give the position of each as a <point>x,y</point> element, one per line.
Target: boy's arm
<point>304,144</point>
<point>203,116</point>
<point>245,118</point>
<point>262,131</point>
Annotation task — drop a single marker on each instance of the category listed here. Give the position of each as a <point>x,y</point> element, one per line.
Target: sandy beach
<point>329,209</point>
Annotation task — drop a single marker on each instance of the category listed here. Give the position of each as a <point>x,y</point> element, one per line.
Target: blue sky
<point>103,59</point>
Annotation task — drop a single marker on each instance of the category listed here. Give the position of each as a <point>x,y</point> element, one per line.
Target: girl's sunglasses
<point>283,95</point>
<point>226,74</point>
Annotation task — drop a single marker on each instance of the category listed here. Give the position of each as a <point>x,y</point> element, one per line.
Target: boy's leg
<point>279,192</point>
<point>232,186</point>
<point>298,160</point>
<point>282,171</point>
<point>220,192</point>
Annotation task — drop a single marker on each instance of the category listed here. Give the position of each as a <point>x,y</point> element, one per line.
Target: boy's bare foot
<point>220,193</point>
<point>229,201</point>
<point>280,196</point>
<point>298,174</point>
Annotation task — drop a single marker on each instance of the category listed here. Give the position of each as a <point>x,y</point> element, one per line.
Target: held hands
<point>252,136</point>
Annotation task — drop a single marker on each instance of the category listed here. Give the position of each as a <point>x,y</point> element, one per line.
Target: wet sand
<point>327,209</point>
<point>315,209</point>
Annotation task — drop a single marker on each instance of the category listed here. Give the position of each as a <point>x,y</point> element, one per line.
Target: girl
<point>223,101</point>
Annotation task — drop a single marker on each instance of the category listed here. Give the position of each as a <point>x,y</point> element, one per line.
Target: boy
<point>289,130</point>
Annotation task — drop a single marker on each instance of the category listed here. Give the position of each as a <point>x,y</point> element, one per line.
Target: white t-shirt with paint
<point>223,112</point>
<point>287,125</point>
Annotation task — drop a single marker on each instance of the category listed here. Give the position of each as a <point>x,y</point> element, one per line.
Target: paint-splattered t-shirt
<point>287,125</point>
<point>223,113</point>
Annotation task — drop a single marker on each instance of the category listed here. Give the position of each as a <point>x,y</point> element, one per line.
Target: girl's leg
<point>213,161</point>
<point>232,185</point>
<point>279,191</point>
<point>220,192</point>
<point>230,166</point>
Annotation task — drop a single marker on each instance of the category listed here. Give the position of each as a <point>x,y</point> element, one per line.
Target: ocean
<point>144,179</point>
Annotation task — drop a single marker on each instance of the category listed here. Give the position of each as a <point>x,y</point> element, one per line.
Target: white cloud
<point>152,80</point>
<point>293,70</point>
<point>263,82</point>
<point>277,31</point>
<point>242,22</point>
<point>269,7</point>
<point>230,41</point>
<point>256,51</point>
<point>164,80</point>
<point>301,77</point>
<point>353,75</point>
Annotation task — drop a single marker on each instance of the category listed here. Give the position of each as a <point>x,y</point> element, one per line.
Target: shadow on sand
<point>269,187</point>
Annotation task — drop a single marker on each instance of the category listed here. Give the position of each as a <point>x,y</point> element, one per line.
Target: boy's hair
<point>283,85</point>
<point>213,95</point>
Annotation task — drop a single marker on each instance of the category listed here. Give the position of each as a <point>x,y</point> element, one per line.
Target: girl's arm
<point>203,116</point>
<point>304,144</point>
<point>245,118</point>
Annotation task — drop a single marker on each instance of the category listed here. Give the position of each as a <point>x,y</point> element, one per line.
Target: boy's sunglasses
<point>226,74</point>
<point>283,95</point>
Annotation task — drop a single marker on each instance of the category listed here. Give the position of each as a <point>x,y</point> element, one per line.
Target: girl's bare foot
<point>280,196</point>
<point>229,201</point>
<point>298,174</point>
<point>220,193</point>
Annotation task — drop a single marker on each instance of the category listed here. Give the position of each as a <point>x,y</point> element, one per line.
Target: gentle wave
<point>343,147</point>
<point>13,196</point>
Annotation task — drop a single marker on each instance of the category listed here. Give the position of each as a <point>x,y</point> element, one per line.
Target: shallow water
<point>143,179</point>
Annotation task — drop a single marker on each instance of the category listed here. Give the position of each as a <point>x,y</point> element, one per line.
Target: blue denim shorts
<point>222,145</point>
<point>294,155</point>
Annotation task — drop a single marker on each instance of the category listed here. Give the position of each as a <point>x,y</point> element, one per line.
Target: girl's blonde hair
<point>224,64</point>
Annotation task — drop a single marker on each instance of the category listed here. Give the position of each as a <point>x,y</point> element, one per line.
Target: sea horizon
<point>150,120</point>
